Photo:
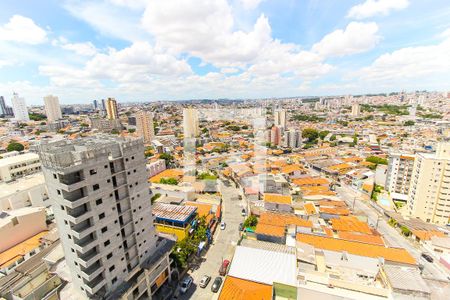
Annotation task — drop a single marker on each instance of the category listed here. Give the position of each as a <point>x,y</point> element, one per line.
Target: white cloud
<point>23,30</point>
<point>133,4</point>
<point>423,62</point>
<point>83,49</point>
<point>250,4</point>
<point>372,8</point>
<point>356,38</point>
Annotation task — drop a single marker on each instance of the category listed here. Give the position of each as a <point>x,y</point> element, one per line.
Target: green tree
<point>311,134</point>
<point>131,130</point>
<point>251,221</point>
<point>409,123</point>
<point>377,160</point>
<point>84,125</point>
<point>37,117</point>
<point>167,157</point>
<point>115,131</point>
<point>171,181</point>
<point>333,138</point>
<point>323,134</point>
<point>14,146</point>
<point>154,197</point>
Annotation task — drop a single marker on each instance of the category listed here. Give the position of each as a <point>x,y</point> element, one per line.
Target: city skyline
<point>82,51</point>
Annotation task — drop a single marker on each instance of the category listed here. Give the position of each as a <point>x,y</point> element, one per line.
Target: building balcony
<point>92,272</point>
<point>95,285</point>
<point>89,258</point>
<point>85,244</point>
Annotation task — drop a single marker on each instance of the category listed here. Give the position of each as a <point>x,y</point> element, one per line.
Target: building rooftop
<point>267,246</point>
<point>351,224</point>
<point>398,255</point>
<point>278,198</point>
<point>13,254</point>
<point>18,159</point>
<point>277,219</point>
<point>272,230</point>
<point>264,266</point>
<point>406,279</point>
<point>173,213</point>
<point>21,184</point>
<point>241,289</point>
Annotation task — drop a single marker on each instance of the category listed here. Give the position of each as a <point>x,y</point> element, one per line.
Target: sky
<point>150,50</point>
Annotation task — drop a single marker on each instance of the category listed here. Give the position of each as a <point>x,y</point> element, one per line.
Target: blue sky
<point>139,50</point>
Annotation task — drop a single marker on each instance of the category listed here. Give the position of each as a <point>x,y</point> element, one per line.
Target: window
<point>59,192</point>
<point>112,268</point>
<point>98,201</point>
<point>101,216</point>
<point>106,166</point>
<point>132,157</point>
<point>114,280</point>
<point>95,186</point>
<point>107,243</point>
<point>104,229</point>
<point>54,176</point>
<point>93,172</point>
<point>108,180</point>
<point>62,207</point>
<point>109,256</point>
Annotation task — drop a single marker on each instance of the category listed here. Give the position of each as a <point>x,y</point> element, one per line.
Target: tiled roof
<point>398,255</point>
<point>351,224</point>
<point>425,235</point>
<point>310,181</point>
<point>278,198</point>
<point>310,208</point>
<point>13,254</point>
<point>364,238</point>
<point>272,230</point>
<point>168,173</point>
<point>173,212</point>
<point>240,289</point>
<point>282,220</point>
<point>335,211</point>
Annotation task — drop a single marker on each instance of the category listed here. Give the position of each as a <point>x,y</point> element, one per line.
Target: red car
<point>224,267</point>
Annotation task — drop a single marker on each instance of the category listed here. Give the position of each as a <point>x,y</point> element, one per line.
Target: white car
<point>185,284</point>
<point>223,225</point>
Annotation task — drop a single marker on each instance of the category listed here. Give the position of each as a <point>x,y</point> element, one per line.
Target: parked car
<point>216,284</point>
<point>204,281</point>
<point>241,227</point>
<point>224,267</point>
<point>223,225</point>
<point>427,257</point>
<point>186,284</point>
<point>243,212</point>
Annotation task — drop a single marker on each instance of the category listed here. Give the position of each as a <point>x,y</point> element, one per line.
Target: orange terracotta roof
<point>10,256</point>
<point>266,229</point>
<point>317,190</point>
<point>352,159</point>
<point>168,173</point>
<point>340,167</point>
<point>240,289</point>
<point>291,168</point>
<point>332,203</point>
<point>335,211</point>
<point>283,220</point>
<point>327,230</point>
<point>310,181</point>
<point>425,235</point>
<point>278,198</point>
<point>398,255</point>
<point>310,209</point>
<point>363,238</point>
<point>203,209</point>
<point>350,223</point>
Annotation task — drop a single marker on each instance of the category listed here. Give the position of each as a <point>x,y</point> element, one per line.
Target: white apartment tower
<point>293,138</point>
<point>429,193</point>
<point>356,110</point>
<point>398,177</point>
<point>100,197</point>
<point>52,108</point>
<point>280,118</point>
<point>190,123</point>
<point>19,107</point>
<point>144,126</point>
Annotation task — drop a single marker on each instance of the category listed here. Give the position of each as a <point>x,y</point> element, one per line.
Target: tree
<point>37,117</point>
<point>333,138</point>
<point>131,130</point>
<point>409,123</point>
<point>311,134</point>
<point>251,221</point>
<point>171,181</point>
<point>154,197</point>
<point>115,131</point>
<point>323,134</point>
<point>377,160</point>
<point>14,146</point>
<point>167,157</point>
<point>84,125</point>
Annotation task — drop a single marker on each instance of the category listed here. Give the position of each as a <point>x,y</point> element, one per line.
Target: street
<point>223,245</point>
<point>391,236</point>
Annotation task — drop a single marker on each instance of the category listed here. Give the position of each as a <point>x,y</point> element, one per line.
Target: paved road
<point>222,248</point>
<point>392,237</point>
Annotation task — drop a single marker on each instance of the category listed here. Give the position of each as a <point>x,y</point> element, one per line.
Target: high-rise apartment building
<point>293,138</point>
<point>52,108</point>
<point>398,176</point>
<point>111,109</point>
<point>280,118</point>
<point>95,105</point>
<point>429,193</point>
<point>190,123</point>
<point>356,111</point>
<point>144,126</point>
<point>2,106</point>
<point>19,107</point>
<point>275,135</point>
<point>100,198</point>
